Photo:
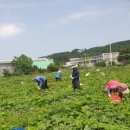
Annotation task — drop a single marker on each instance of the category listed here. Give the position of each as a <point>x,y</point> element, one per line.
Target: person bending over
<point>114,86</point>
<point>42,82</point>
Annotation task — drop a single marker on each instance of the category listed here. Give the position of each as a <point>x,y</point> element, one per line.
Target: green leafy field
<point>62,108</point>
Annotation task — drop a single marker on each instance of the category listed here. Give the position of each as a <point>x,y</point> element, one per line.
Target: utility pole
<point>85,59</point>
<point>110,55</point>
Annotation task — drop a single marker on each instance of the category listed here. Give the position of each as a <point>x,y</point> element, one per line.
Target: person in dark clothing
<point>42,82</point>
<point>75,77</point>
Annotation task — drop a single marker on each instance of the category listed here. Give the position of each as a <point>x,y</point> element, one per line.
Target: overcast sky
<point>42,27</point>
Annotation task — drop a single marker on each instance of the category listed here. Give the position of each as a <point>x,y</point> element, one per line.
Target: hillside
<point>65,56</point>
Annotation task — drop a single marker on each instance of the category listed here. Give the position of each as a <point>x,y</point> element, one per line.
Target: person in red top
<point>116,87</point>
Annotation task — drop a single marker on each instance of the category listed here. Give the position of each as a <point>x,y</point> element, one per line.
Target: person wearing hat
<point>58,75</point>
<point>114,86</point>
<point>42,82</point>
<point>75,77</point>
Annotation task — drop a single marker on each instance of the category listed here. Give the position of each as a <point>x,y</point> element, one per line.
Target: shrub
<point>35,69</point>
<point>101,63</point>
<point>52,68</point>
<point>6,72</point>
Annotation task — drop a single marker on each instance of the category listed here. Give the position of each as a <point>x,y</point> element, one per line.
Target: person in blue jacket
<point>75,77</point>
<point>58,75</point>
<point>42,82</point>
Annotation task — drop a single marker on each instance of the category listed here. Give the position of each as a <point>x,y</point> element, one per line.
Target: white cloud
<point>10,30</point>
<point>72,18</point>
<point>75,17</point>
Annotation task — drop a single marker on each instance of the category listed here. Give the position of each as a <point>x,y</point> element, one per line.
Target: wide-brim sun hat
<point>75,66</point>
<point>123,85</point>
<point>125,91</point>
<point>124,88</point>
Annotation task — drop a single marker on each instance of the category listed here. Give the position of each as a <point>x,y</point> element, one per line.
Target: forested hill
<point>65,56</point>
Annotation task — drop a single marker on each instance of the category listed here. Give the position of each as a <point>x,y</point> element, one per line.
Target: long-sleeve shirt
<point>75,75</point>
<point>58,74</point>
<point>112,84</point>
<point>40,80</point>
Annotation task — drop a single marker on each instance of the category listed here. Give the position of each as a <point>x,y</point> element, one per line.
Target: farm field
<point>62,108</point>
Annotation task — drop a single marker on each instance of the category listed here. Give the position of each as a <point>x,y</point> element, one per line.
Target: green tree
<point>22,64</point>
<point>124,56</point>
<point>101,63</point>
<point>52,67</point>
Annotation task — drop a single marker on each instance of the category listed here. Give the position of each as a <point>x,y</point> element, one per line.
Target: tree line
<point>76,53</point>
<point>23,63</point>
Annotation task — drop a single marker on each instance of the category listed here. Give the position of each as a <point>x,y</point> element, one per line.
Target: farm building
<point>42,62</point>
<point>91,61</point>
<point>5,64</point>
<point>39,62</point>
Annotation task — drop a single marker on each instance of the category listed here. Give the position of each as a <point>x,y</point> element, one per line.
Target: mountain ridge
<point>76,53</point>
